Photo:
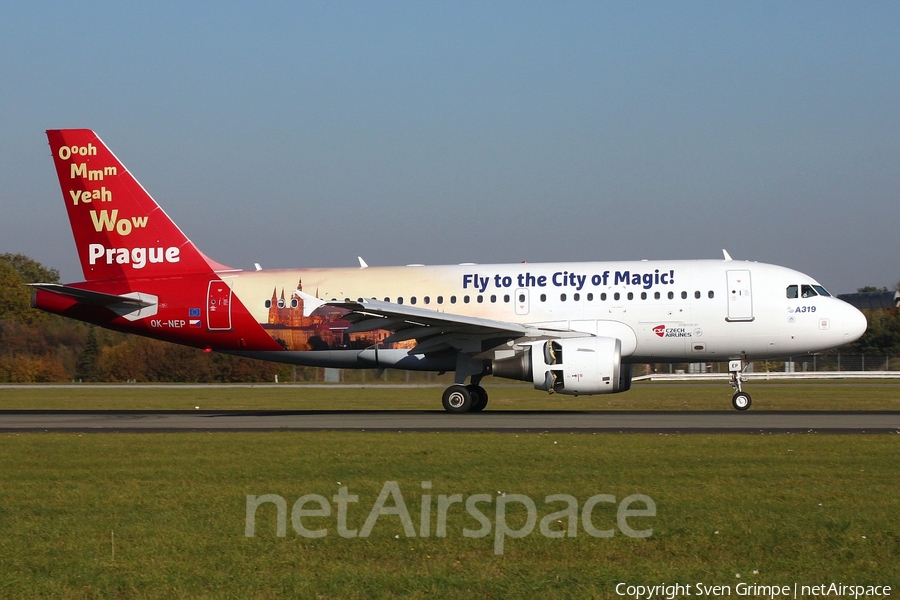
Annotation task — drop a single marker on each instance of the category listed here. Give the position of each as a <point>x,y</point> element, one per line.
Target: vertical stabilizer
<point>120,232</point>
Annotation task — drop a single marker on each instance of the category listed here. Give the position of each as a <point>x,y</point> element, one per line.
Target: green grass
<point>794,508</point>
<point>805,395</point>
<point>773,508</point>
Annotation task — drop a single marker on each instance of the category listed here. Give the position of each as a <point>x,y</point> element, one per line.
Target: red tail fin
<point>120,231</point>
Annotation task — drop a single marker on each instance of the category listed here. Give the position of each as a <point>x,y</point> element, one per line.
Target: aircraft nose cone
<point>855,324</point>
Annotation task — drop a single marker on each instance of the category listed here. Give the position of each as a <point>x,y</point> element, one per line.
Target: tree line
<point>39,347</point>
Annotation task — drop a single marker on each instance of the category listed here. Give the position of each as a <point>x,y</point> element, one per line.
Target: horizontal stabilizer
<point>92,298</point>
<point>132,306</point>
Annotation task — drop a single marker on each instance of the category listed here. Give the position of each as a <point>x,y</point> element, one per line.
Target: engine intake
<point>588,365</point>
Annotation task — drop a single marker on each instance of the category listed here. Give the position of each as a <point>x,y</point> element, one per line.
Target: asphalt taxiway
<point>496,421</point>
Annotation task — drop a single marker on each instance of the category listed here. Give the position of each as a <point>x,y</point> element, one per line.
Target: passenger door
<point>740,300</point>
<point>218,306</point>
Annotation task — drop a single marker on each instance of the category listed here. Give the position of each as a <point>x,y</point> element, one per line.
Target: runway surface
<point>498,421</point>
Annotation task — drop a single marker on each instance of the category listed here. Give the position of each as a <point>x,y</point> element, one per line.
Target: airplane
<point>569,328</point>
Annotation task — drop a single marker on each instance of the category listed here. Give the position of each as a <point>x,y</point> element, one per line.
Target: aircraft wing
<point>432,330</point>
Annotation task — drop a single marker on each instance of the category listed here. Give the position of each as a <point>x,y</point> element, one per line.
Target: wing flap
<point>432,330</point>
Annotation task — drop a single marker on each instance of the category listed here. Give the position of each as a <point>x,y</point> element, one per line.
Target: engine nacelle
<point>588,365</point>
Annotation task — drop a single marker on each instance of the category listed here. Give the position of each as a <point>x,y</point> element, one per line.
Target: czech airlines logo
<point>671,332</point>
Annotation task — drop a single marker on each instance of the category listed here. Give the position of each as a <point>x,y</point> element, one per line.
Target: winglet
<point>362,263</point>
<point>310,303</point>
<point>727,256</point>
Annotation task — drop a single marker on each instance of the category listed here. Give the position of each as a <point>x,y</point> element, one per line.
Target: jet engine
<point>586,365</point>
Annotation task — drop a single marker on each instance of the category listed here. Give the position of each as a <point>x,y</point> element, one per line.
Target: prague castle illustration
<point>324,330</point>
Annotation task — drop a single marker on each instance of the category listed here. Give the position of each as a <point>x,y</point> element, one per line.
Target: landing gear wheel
<point>479,397</point>
<point>457,399</point>
<point>741,401</point>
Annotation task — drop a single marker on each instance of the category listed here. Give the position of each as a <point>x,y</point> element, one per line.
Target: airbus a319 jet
<point>567,328</point>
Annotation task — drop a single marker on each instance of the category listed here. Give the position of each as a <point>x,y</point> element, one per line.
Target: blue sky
<point>305,134</point>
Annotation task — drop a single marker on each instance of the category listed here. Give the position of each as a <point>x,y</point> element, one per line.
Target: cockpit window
<point>806,291</point>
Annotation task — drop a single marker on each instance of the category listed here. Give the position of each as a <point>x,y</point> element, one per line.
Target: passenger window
<point>616,296</point>
<point>493,298</point>
<point>590,297</point>
<point>506,298</point>
<point>697,294</point>
<point>792,291</point>
<point>643,295</point>
<point>399,299</point>
<point>480,298</point>
<point>684,295</point>
<point>603,297</point>
<point>711,294</point>
<point>631,295</point>
<point>562,297</point>
<point>656,295</point>
<point>412,300</point>
<point>427,300</point>
<point>671,295</point>
<point>543,297</point>
<point>466,299</point>
<point>576,297</point>
<point>440,299</point>
<point>521,297</point>
<point>268,304</point>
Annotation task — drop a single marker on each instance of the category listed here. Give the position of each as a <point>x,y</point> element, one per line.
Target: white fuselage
<point>662,311</point>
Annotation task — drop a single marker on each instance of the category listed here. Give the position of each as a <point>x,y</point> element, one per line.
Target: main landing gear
<point>741,399</point>
<point>464,398</point>
<point>461,398</point>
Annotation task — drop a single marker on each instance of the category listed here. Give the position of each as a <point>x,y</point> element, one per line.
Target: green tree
<point>30,270</point>
<point>15,297</point>
<point>88,361</point>
<point>882,335</point>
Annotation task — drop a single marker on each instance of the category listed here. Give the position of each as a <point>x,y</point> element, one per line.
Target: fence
<point>845,364</point>
<point>819,363</point>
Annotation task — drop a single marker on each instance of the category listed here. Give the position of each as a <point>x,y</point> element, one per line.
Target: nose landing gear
<point>741,399</point>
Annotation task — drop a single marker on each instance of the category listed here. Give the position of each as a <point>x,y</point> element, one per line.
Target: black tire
<point>479,397</point>
<point>741,401</point>
<point>457,399</point>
